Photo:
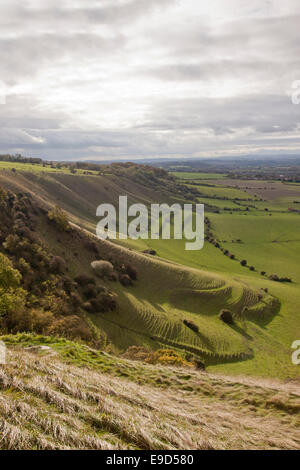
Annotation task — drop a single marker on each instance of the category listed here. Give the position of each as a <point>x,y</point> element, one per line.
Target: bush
<point>91,246</point>
<point>68,284</point>
<point>131,271</point>
<point>263,273</point>
<point>226,316</point>
<point>243,262</point>
<point>24,267</point>
<point>274,277</point>
<point>59,217</point>
<point>150,252</point>
<point>75,301</point>
<point>105,302</point>
<point>9,277</point>
<point>136,353</point>
<point>72,327</point>
<point>57,265</point>
<point>88,307</point>
<point>102,268</point>
<point>199,364</point>
<point>167,357</point>
<point>125,280</point>
<point>11,296</point>
<point>252,268</point>
<point>191,325</point>
<point>35,320</point>
<point>89,291</point>
<point>84,280</point>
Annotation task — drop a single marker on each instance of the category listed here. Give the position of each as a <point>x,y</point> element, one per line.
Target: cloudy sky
<point>101,79</point>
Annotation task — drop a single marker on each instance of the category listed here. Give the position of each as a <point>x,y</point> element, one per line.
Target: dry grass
<point>48,404</point>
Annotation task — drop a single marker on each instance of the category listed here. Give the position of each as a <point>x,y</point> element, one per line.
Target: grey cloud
<point>222,115</point>
<point>222,69</point>
<point>59,15</point>
<point>27,56</point>
<point>40,39</point>
<point>270,37</point>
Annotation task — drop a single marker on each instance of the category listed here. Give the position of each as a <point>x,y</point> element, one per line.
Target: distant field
<point>37,168</point>
<point>196,176</point>
<point>220,191</point>
<point>265,189</point>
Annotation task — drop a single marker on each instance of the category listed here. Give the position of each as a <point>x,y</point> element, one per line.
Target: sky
<point>131,79</point>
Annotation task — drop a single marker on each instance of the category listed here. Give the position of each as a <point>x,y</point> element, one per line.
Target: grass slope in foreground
<point>71,397</point>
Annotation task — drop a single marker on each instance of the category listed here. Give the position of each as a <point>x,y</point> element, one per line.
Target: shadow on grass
<point>264,318</point>
<point>240,330</point>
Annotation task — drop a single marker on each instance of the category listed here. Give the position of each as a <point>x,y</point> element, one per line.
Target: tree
<point>59,217</point>
<point>11,296</point>
<point>226,316</point>
<point>9,277</point>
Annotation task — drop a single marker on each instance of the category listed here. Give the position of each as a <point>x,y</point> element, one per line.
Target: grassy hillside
<point>50,400</point>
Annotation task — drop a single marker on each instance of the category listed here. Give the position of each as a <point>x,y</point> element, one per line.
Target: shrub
<point>191,325</point>
<point>136,353</point>
<point>89,291</point>
<point>199,364</point>
<point>11,243</point>
<point>57,265</point>
<point>24,267</point>
<point>35,320</point>
<point>11,296</point>
<point>88,307</point>
<point>72,327</point>
<point>274,277</point>
<point>113,277</point>
<point>131,271</point>
<point>226,316</point>
<point>75,300</point>
<point>11,300</point>
<point>125,280</point>
<point>68,284</point>
<point>243,262</point>
<point>252,268</point>
<point>105,302</point>
<point>59,217</point>
<point>167,357</point>
<point>9,277</point>
<point>91,246</point>
<point>84,280</point>
<point>263,273</point>
<point>150,252</point>
<point>102,268</point>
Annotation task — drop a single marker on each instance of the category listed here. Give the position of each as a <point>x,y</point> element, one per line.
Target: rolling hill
<point>174,287</point>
